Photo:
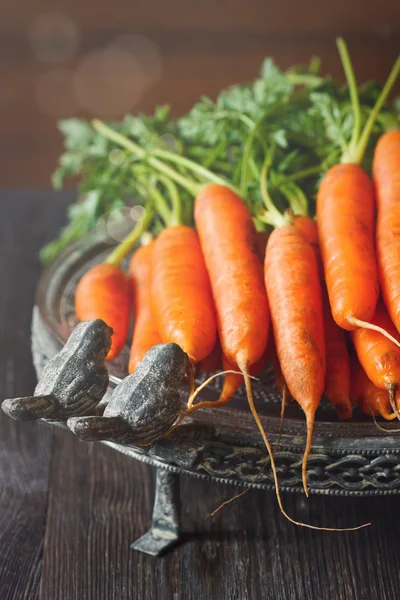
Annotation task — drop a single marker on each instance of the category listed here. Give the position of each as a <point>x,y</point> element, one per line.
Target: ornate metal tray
<point>348,458</point>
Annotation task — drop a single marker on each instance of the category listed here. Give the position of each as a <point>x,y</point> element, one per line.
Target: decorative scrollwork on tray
<point>351,472</point>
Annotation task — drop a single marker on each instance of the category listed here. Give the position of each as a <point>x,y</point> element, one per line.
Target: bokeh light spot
<point>117,157</point>
<point>109,82</point>
<point>137,213</point>
<point>54,37</point>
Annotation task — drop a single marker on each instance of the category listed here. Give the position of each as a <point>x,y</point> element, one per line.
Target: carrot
<point>295,298</point>
<point>310,231</point>
<point>104,292</point>
<point>145,333</point>
<point>228,241</point>
<point>386,175</point>
<point>233,381</point>
<point>345,214</point>
<point>229,244</point>
<point>379,356</point>
<point>337,376</point>
<point>180,293</point>
<point>370,399</point>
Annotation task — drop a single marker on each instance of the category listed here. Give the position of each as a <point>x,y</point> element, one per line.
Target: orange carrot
<point>295,298</point>
<point>386,174</point>
<point>337,377</point>
<point>233,381</point>
<point>180,293</point>
<point>310,231</point>
<point>145,334</point>
<point>279,378</point>
<point>379,357</point>
<point>254,248</point>
<point>229,243</point>
<point>104,292</point>
<point>345,214</point>
<point>364,394</point>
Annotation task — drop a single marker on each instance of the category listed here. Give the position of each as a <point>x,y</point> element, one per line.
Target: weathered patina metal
<point>145,405</point>
<point>73,382</point>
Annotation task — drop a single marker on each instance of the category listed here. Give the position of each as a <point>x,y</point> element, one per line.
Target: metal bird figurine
<point>73,382</point>
<point>144,405</point>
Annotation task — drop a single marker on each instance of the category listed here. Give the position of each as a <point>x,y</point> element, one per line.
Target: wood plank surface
<point>25,448</point>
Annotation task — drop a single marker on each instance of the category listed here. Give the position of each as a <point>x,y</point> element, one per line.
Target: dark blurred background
<point>108,57</point>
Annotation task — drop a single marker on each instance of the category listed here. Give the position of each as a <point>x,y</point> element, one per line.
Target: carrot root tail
<point>243,366</point>
<point>310,431</point>
<point>365,325</point>
<point>380,426</point>
<point>220,402</point>
<point>283,406</point>
<point>192,383</point>
<point>391,388</point>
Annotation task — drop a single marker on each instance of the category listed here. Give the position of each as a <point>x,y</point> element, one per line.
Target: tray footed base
<point>165,526</point>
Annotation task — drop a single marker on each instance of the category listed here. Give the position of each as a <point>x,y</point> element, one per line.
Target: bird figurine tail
<point>29,408</point>
<point>96,428</point>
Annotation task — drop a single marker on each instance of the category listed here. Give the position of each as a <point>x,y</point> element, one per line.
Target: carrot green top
<point>355,150</point>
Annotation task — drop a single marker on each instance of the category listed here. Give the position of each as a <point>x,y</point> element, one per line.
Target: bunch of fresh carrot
<point>330,287</point>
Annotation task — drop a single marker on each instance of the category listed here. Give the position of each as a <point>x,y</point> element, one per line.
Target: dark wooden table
<point>69,510</point>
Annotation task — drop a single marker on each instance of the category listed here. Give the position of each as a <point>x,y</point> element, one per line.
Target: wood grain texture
<point>24,448</point>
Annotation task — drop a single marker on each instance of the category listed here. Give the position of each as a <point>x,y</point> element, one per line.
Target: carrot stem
<point>176,218</point>
<point>354,97</point>
<point>296,198</point>
<point>272,216</point>
<point>161,205</point>
<point>116,256</point>
<point>191,186</point>
<point>302,174</point>
<point>246,160</point>
<point>362,144</point>
<point>358,144</point>
<point>200,170</point>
